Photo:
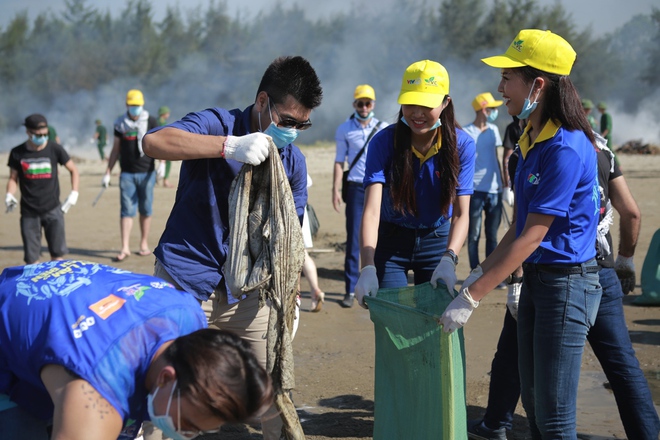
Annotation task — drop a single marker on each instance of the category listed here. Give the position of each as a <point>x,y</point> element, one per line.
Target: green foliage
<point>206,57</point>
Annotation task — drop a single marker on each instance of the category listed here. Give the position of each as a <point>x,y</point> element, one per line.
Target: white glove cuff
<point>371,267</point>
<point>624,261</point>
<point>466,294</point>
<point>228,147</point>
<point>450,259</point>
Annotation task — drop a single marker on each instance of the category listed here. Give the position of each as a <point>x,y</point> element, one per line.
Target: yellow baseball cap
<point>483,100</point>
<point>364,91</point>
<point>424,83</point>
<point>134,97</point>
<point>539,49</point>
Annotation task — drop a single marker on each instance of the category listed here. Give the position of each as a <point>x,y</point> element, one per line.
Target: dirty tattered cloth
<point>266,254</point>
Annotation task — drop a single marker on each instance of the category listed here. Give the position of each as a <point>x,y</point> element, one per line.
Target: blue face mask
<point>436,125</point>
<point>492,115</point>
<point>360,118</point>
<point>281,136</point>
<point>528,107</point>
<point>135,110</point>
<point>165,422</point>
<point>39,140</point>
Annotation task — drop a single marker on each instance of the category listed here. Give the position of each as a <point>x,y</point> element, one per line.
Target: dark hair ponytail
<point>219,371</point>
<point>562,101</point>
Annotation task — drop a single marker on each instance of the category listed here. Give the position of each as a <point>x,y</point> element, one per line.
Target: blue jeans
<point>491,204</point>
<point>401,250</point>
<point>555,312</point>
<point>610,342</point>
<point>136,191</point>
<point>354,208</point>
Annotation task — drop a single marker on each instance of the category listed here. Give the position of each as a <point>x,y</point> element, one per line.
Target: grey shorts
<point>53,224</point>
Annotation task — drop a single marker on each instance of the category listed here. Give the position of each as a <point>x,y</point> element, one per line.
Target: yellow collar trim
<point>549,131</point>
<point>432,151</point>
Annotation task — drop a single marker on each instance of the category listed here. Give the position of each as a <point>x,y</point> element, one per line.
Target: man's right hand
<point>367,284</point>
<point>336,199</point>
<point>10,202</point>
<point>105,182</point>
<point>251,149</point>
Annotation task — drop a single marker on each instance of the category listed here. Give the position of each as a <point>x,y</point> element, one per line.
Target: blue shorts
<point>136,190</point>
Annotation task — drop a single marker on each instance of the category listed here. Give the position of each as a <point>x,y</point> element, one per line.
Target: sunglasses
<point>290,122</point>
<point>39,134</point>
<point>361,104</point>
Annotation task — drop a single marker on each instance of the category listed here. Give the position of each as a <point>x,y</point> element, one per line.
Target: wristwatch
<point>512,279</point>
<point>453,256</point>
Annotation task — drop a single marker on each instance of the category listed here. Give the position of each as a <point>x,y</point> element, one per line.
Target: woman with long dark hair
<point>418,183</point>
<point>557,212</point>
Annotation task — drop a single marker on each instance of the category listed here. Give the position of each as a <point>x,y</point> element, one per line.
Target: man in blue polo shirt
<point>352,138</point>
<point>213,145</point>
<point>487,197</point>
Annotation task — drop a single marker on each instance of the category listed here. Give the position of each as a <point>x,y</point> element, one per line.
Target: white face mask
<point>165,422</point>
<point>528,107</point>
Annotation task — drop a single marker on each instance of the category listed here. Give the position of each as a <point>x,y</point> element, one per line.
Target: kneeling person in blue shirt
<point>96,350</point>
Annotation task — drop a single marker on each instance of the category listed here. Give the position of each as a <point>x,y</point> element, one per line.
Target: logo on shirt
<point>38,168</point>
<point>81,325</point>
<point>534,179</point>
<point>107,306</point>
<point>134,290</point>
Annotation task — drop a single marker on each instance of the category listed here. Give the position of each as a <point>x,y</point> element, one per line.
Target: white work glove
<point>458,311</point>
<point>70,201</point>
<point>367,285</point>
<point>512,298</point>
<point>296,318</point>
<point>106,180</point>
<point>474,276</point>
<point>446,272</point>
<point>10,202</point>
<point>625,270</point>
<point>507,196</point>
<point>160,173</point>
<point>251,149</point>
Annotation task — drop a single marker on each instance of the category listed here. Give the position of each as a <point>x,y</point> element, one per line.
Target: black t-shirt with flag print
<point>37,176</point>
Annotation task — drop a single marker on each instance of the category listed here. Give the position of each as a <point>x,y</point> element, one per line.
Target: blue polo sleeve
<point>554,193</point>
<point>212,121</point>
<point>467,153</point>
<point>379,157</point>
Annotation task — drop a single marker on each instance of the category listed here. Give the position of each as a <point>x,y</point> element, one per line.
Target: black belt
<point>351,183</point>
<point>561,269</point>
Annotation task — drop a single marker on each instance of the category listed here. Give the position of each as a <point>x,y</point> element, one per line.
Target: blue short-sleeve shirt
<point>558,176</point>
<point>427,179</point>
<point>193,247</point>
<point>102,323</point>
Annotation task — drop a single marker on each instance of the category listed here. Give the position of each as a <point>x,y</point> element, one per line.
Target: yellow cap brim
<point>495,104</point>
<point>430,100</point>
<point>502,62</point>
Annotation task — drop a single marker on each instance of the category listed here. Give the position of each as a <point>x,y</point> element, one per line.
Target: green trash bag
<point>651,275</point>
<point>420,370</point>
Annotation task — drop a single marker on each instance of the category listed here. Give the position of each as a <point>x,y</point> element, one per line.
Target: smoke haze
<point>199,84</point>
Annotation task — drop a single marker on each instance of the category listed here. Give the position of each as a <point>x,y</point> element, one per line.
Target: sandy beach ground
<point>334,349</point>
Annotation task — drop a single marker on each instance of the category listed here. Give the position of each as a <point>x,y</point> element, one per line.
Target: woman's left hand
<point>445,272</point>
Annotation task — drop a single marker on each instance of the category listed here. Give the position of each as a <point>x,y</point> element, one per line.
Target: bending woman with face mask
<point>93,351</point>
<point>418,182</point>
<point>557,212</point>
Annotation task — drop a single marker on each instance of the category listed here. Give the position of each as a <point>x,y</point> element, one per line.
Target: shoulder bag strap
<point>357,157</point>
